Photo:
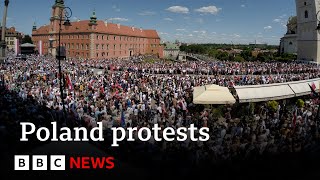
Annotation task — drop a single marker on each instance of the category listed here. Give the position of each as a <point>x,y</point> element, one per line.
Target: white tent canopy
<point>258,93</point>
<point>212,94</point>
<point>302,88</point>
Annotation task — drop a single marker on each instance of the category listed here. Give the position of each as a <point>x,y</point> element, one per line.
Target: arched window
<point>290,43</point>
<point>306,14</point>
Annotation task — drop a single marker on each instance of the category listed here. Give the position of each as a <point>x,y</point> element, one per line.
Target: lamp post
<point>64,15</point>
<point>3,44</point>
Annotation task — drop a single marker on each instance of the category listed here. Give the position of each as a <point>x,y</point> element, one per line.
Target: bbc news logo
<point>59,162</point>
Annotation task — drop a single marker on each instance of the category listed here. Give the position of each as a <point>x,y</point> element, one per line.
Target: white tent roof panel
<point>212,94</point>
<point>264,93</point>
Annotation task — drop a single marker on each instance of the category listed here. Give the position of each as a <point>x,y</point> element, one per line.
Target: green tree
<point>246,54</point>
<point>213,53</point>
<point>222,55</point>
<point>239,59</point>
<point>300,103</point>
<point>273,105</point>
<point>27,39</point>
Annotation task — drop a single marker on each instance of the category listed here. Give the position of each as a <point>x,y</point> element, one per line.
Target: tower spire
<point>34,27</point>
<point>93,18</point>
<point>59,3</point>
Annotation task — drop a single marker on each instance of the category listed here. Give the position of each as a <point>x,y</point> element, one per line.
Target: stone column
<point>3,44</point>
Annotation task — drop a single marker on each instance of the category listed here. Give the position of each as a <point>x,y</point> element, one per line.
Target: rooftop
<point>101,27</point>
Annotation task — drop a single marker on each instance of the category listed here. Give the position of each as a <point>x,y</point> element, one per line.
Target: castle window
<point>290,43</point>
<point>305,3</point>
<point>306,14</point>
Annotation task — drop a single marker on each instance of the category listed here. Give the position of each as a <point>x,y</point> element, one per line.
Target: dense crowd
<point>143,94</point>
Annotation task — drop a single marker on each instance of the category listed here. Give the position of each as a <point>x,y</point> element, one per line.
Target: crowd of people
<point>143,94</point>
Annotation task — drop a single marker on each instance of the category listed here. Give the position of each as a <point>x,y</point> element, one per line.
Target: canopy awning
<point>27,45</point>
<point>212,94</point>
<point>258,93</point>
<point>302,88</point>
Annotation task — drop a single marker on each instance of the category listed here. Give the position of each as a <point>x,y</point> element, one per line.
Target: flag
<point>313,90</point>
<point>40,48</point>
<point>123,122</point>
<point>68,82</point>
<point>294,119</point>
<point>17,46</point>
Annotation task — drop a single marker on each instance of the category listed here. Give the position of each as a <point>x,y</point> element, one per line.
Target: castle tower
<point>308,36</point>
<point>56,14</point>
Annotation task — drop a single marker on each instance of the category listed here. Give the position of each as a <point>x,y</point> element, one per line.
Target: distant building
<point>95,39</point>
<point>289,43</point>
<point>308,36</point>
<point>12,36</point>
<point>171,50</point>
<point>258,45</point>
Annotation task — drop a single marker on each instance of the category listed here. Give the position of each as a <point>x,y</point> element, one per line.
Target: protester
<point>132,93</point>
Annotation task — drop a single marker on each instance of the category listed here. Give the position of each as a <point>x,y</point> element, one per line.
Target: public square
<point>262,110</point>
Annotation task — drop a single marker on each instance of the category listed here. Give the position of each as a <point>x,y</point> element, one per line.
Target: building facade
<point>171,50</point>
<point>12,37</point>
<point>308,37</point>
<point>94,39</point>
<point>288,43</point>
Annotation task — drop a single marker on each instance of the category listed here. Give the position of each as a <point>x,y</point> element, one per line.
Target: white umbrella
<point>212,94</point>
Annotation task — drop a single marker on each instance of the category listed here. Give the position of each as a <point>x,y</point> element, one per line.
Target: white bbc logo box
<point>40,162</point>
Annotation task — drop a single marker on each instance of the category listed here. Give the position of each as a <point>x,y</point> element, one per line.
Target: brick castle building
<point>94,39</point>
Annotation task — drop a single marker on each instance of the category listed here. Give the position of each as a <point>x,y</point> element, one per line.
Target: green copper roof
<point>59,3</point>
<point>93,18</point>
<point>34,27</point>
<point>171,46</point>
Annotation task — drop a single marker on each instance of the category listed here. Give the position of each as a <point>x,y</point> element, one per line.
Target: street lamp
<point>65,14</point>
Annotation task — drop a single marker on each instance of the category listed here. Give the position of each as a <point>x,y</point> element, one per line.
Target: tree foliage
<point>27,39</point>
<point>222,52</point>
<point>273,105</point>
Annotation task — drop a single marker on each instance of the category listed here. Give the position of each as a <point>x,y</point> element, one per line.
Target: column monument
<point>3,44</point>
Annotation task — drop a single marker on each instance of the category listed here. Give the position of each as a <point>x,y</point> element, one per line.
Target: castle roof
<point>101,27</point>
